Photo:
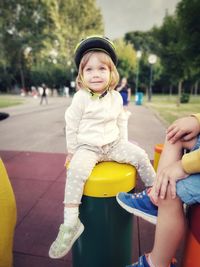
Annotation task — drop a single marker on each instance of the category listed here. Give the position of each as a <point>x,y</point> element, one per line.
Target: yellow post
<point>8,216</point>
<point>157,153</point>
<point>108,227</point>
<point>109,178</point>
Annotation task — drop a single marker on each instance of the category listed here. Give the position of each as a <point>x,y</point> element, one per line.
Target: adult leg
<point>171,223</point>
<point>170,154</point>
<point>170,157</point>
<point>41,100</point>
<point>140,204</point>
<point>170,230</point>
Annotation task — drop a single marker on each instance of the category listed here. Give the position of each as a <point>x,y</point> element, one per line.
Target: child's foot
<point>139,204</point>
<point>142,262</point>
<point>65,240</point>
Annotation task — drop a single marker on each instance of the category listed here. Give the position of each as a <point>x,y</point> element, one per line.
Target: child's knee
<point>143,156</point>
<point>168,201</point>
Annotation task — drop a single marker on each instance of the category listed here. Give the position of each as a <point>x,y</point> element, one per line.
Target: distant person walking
<point>66,91</point>
<point>125,92</point>
<point>44,94</point>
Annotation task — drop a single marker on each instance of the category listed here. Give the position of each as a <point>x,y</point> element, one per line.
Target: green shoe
<point>65,240</point>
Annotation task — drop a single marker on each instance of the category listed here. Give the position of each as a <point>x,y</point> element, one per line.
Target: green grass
<point>166,108</point>
<point>10,100</point>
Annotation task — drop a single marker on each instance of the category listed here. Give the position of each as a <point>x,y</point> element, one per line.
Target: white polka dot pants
<point>126,152</point>
<point>85,159</point>
<point>80,168</point>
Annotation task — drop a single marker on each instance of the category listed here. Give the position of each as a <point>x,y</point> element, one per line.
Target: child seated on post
<point>96,130</point>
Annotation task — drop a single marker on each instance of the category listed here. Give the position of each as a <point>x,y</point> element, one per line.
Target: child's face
<point>96,74</point>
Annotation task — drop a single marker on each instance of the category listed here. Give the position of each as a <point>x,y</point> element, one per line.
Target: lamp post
<point>152,60</point>
<point>138,56</point>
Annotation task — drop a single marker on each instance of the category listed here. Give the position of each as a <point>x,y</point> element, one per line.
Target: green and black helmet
<point>92,43</point>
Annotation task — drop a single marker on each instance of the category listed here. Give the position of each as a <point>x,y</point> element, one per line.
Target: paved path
<point>32,127</point>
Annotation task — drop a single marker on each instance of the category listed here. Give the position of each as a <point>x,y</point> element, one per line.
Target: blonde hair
<point>105,59</point>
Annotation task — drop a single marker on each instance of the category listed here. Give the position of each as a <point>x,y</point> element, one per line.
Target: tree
<point>23,27</point>
<point>50,29</point>
<point>188,15</point>
<point>141,40</point>
<point>126,59</point>
<point>147,44</point>
<point>170,51</point>
<point>189,19</point>
<point>74,20</point>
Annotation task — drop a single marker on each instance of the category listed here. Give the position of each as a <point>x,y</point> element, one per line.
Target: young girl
<point>96,130</point>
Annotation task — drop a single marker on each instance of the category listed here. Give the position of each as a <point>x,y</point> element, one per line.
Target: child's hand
<point>68,159</point>
<point>184,128</point>
<point>168,177</point>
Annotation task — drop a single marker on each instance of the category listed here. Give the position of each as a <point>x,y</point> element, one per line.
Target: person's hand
<point>68,159</point>
<point>183,129</point>
<point>119,88</point>
<point>167,177</point>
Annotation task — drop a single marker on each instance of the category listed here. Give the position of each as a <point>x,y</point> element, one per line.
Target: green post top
<point>109,178</point>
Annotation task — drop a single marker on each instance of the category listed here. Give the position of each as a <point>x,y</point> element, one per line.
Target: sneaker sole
<point>150,218</point>
<point>80,231</point>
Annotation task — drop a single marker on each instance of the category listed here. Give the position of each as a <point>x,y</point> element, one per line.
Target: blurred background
<point>158,43</point>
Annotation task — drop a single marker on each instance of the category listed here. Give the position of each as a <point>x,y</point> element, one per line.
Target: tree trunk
<point>179,93</point>
<point>196,87</point>
<point>170,90</point>
<point>191,89</point>
<point>22,78</point>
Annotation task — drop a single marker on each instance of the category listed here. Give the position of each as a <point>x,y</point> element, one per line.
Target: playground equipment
<point>106,240</point>
<point>8,215</point>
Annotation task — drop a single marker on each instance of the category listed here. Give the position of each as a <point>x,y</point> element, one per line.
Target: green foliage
<point>37,40</point>
<point>177,44</point>
<point>170,48</point>
<point>184,98</point>
<point>188,16</point>
<point>36,33</point>
<point>147,44</point>
<point>143,41</point>
<point>127,59</point>
<point>50,74</point>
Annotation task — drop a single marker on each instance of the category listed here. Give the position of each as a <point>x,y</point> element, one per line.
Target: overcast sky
<point>121,16</point>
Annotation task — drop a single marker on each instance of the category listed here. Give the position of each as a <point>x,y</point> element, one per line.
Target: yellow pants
<point>8,215</point>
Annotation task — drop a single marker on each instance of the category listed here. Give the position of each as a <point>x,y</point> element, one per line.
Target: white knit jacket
<point>93,121</point>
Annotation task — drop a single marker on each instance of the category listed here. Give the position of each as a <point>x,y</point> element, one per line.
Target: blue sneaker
<point>139,204</point>
<point>143,263</point>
